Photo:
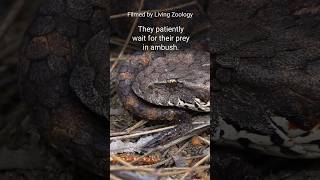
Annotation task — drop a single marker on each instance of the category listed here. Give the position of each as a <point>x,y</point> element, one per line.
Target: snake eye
<point>172,81</point>
<point>150,88</point>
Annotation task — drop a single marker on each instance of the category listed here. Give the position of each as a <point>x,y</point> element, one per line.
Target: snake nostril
<point>150,88</point>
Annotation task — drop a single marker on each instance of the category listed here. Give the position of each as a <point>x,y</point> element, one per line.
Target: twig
<point>131,168</point>
<point>141,133</point>
<point>121,161</point>
<point>113,134</point>
<point>189,135</point>
<point>144,169</point>
<point>204,140</point>
<point>182,170</point>
<point>113,177</point>
<point>195,157</point>
<point>137,125</point>
<point>16,8</point>
<point>196,165</point>
<point>179,150</point>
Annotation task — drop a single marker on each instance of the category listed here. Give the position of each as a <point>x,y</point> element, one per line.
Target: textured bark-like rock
<point>266,63</point>
<point>274,49</point>
<point>66,36</point>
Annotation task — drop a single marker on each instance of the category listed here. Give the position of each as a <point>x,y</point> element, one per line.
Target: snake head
<point>180,79</point>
